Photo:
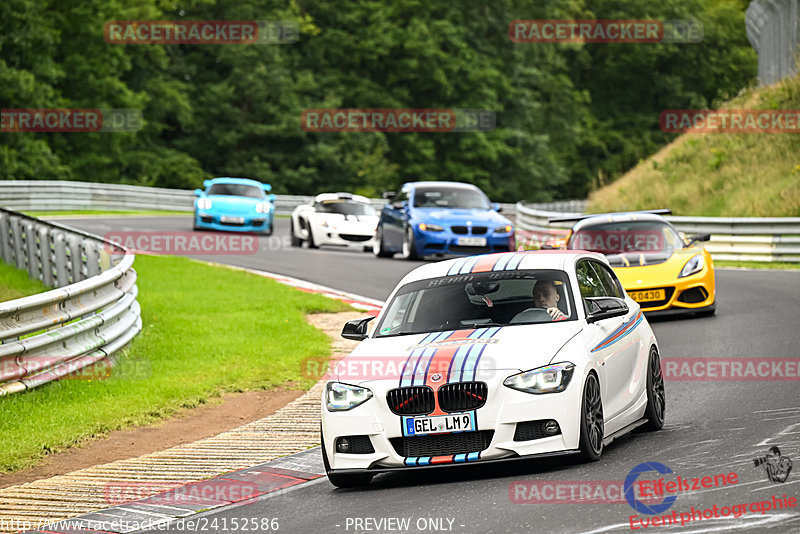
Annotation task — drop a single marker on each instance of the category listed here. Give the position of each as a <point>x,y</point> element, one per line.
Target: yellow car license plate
<point>649,295</point>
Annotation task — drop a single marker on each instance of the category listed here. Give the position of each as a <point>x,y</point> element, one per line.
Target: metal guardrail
<point>52,195</point>
<point>773,29</point>
<point>92,313</point>
<point>760,239</point>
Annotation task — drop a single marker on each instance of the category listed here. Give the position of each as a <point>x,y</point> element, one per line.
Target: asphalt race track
<point>712,427</point>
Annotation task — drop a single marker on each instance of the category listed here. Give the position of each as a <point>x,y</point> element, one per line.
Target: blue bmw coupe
<point>427,218</point>
<point>234,204</point>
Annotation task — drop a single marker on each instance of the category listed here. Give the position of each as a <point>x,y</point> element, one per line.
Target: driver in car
<point>545,295</point>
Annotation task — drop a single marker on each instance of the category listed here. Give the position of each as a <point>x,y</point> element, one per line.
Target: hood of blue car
<point>459,216</point>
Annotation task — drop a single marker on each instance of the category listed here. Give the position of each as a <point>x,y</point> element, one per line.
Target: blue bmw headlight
<point>430,227</point>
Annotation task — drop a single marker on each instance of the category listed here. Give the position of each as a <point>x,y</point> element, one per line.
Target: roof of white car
<point>335,196</point>
<point>502,261</point>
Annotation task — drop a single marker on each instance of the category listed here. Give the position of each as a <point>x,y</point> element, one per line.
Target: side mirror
<point>497,207</point>
<point>271,198</point>
<point>206,183</point>
<point>599,308</point>
<point>389,195</point>
<point>356,329</point>
<point>198,192</point>
<point>266,187</point>
<point>700,237</point>
<point>399,205</point>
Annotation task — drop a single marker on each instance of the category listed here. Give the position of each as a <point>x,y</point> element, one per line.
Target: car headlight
<point>204,203</point>
<point>549,379</point>
<point>342,397</point>
<point>263,207</point>
<point>694,265</point>
<point>430,227</point>
<point>504,229</point>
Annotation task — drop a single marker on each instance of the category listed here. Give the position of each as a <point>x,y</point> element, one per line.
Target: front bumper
<point>692,294</point>
<point>505,408</point>
<point>252,223</point>
<point>343,238</point>
<point>447,242</point>
<point>378,470</point>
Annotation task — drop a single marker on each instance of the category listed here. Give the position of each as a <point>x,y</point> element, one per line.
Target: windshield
<point>236,190</point>
<point>473,300</point>
<point>449,197</point>
<point>345,207</point>
<point>621,237</point>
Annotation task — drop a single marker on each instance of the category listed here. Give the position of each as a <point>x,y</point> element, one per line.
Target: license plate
<point>472,241</point>
<point>235,220</point>
<point>646,296</point>
<point>438,424</point>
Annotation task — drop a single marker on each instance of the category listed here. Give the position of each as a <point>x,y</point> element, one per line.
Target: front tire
<point>409,248</point>
<point>378,248</point>
<point>656,398</point>
<point>591,439</point>
<point>339,480</point>
<point>295,241</point>
<point>311,243</point>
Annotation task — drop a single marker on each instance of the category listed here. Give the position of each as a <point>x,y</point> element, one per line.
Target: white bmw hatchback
<point>488,358</point>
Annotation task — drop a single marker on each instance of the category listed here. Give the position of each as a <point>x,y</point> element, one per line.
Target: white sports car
<point>335,219</point>
<point>488,358</point>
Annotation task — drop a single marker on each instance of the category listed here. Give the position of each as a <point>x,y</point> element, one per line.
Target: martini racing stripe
<point>450,459</point>
<point>514,262</point>
<point>408,373</point>
<point>486,262</point>
<point>466,366</point>
<point>500,261</point>
<point>468,265</point>
<point>619,333</point>
<point>457,266</point>
<point>440,361</point>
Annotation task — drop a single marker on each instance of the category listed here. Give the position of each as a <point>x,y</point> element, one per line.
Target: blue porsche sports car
<point>427,218</point>
<point>237,204</point>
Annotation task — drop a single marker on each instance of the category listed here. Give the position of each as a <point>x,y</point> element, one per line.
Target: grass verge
<point>207,330</point>
<point>14,283</point>
<point>719,175</point>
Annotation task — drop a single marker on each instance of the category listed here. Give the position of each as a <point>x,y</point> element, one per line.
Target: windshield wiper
<point>478,324</point>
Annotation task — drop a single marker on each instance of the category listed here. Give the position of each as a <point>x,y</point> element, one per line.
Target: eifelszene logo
<point>776,467</point>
